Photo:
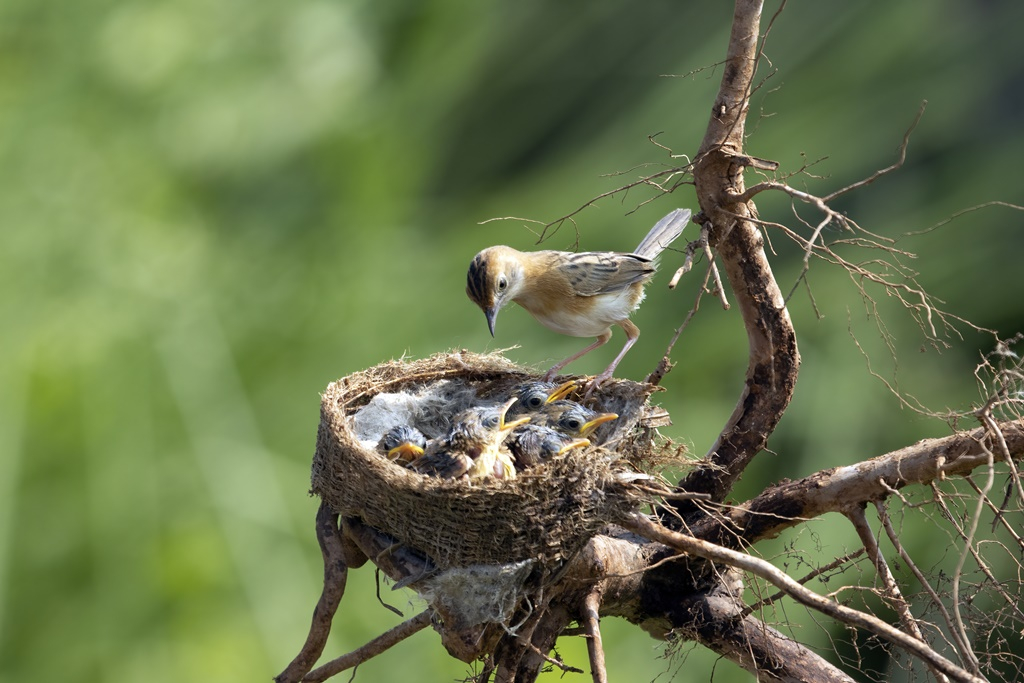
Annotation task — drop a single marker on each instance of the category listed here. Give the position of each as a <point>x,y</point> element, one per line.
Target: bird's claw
<point>594,384</point>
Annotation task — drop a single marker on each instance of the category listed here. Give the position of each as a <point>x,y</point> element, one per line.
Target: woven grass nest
<point>544,515</point>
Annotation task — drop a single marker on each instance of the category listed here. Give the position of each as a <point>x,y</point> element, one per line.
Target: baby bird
<point>402,443</point>
<point>473,446</point>
<point>579,294</point>
<point>572,419</point>
<point>532,396</point>
<point>532,445</point>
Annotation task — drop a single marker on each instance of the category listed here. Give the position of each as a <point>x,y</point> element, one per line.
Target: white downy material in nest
<point>481,594</point>
<point>429,409</point>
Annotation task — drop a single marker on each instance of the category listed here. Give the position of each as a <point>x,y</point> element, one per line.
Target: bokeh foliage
<point>212,208</point>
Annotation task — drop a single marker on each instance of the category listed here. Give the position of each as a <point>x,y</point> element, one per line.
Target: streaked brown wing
<point>600,272</point>
<point>444,464</point>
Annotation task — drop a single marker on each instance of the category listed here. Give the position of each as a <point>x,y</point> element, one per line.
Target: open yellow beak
<point>509,426</point>
<point>588,427</point>
<point>561,391</point>
<point>406,452</point>
<point>575,443</point>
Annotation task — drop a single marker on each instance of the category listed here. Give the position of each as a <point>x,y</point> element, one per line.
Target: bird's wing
<point>443,464</point>
<point>600,272</point>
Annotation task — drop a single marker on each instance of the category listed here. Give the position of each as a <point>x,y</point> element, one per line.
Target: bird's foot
<point>593,384</point>
<point>550,375</point>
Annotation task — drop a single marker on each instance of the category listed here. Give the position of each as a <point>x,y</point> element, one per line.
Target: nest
<point>543,516</point>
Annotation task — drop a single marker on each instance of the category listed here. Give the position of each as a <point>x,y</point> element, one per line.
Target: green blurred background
<point>211,208</point>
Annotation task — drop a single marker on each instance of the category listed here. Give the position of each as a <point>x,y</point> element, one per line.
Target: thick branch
<point>790,503</point>
<point>716,622</point>
<point>373,648</point>
<point>774,360</point>
<point>729,112</point>
<point>335,575</point>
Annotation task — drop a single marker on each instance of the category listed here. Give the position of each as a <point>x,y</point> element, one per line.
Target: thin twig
<point>969,538</point>
<point>834,564</point>
<point>687,260</point>
<point>595,649</point>
<point>646,180</point>
<point>855,513</point>
<point>665,364</point>
<point>997,517</point>
<point>997,585</point>
<point>554,661</point>
<point>956,214</point>
<point>896,165</point>
<point>713,269</point>
<point>962,646</point>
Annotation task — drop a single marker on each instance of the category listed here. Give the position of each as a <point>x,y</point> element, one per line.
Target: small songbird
<point>532,396</point>
<point>473,446</point>
<point>579,294</point>
<point>535,444</point>
<point>571,418</point>
<point>402,443</point>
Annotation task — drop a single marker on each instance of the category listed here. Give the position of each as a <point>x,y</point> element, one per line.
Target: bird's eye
<point>502,283</point>
<point>573,423</point>
<point>534,402</point>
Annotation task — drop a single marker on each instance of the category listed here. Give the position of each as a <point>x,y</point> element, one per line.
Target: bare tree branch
<point>767,571</point>
<point>373,648</point>
<point>335,574</point>
<point>892,590</point>
<point>785,505</point>
<point>595,647</point>
<point>774,360</point>
<point>967,656</point>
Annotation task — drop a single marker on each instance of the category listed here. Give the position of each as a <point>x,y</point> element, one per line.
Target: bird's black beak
<point>492,315</point>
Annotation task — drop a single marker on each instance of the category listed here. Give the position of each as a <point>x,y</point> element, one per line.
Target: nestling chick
<point>571,418</point>
<point>473,446</point>
<point>531,396</point>
<point>579,294</point>
<point>402,443</point>
<point>532,445</point>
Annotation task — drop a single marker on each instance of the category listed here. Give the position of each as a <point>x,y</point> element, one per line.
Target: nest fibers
<point>542,517</point>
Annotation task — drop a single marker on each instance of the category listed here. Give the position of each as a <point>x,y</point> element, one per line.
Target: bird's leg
<point>632,334</point>
<point>600,341</point>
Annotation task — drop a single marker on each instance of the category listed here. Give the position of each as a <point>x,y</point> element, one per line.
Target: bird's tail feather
<point>663,234</point>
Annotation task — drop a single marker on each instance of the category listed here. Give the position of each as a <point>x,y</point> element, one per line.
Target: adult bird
<point>581,294</point>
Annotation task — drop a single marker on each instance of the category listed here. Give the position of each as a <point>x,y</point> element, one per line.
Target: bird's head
<point>534,395</point>
<point>482,427</point>
<point>495,277</point>
<point>577,420</point>
<point>403,443</point>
